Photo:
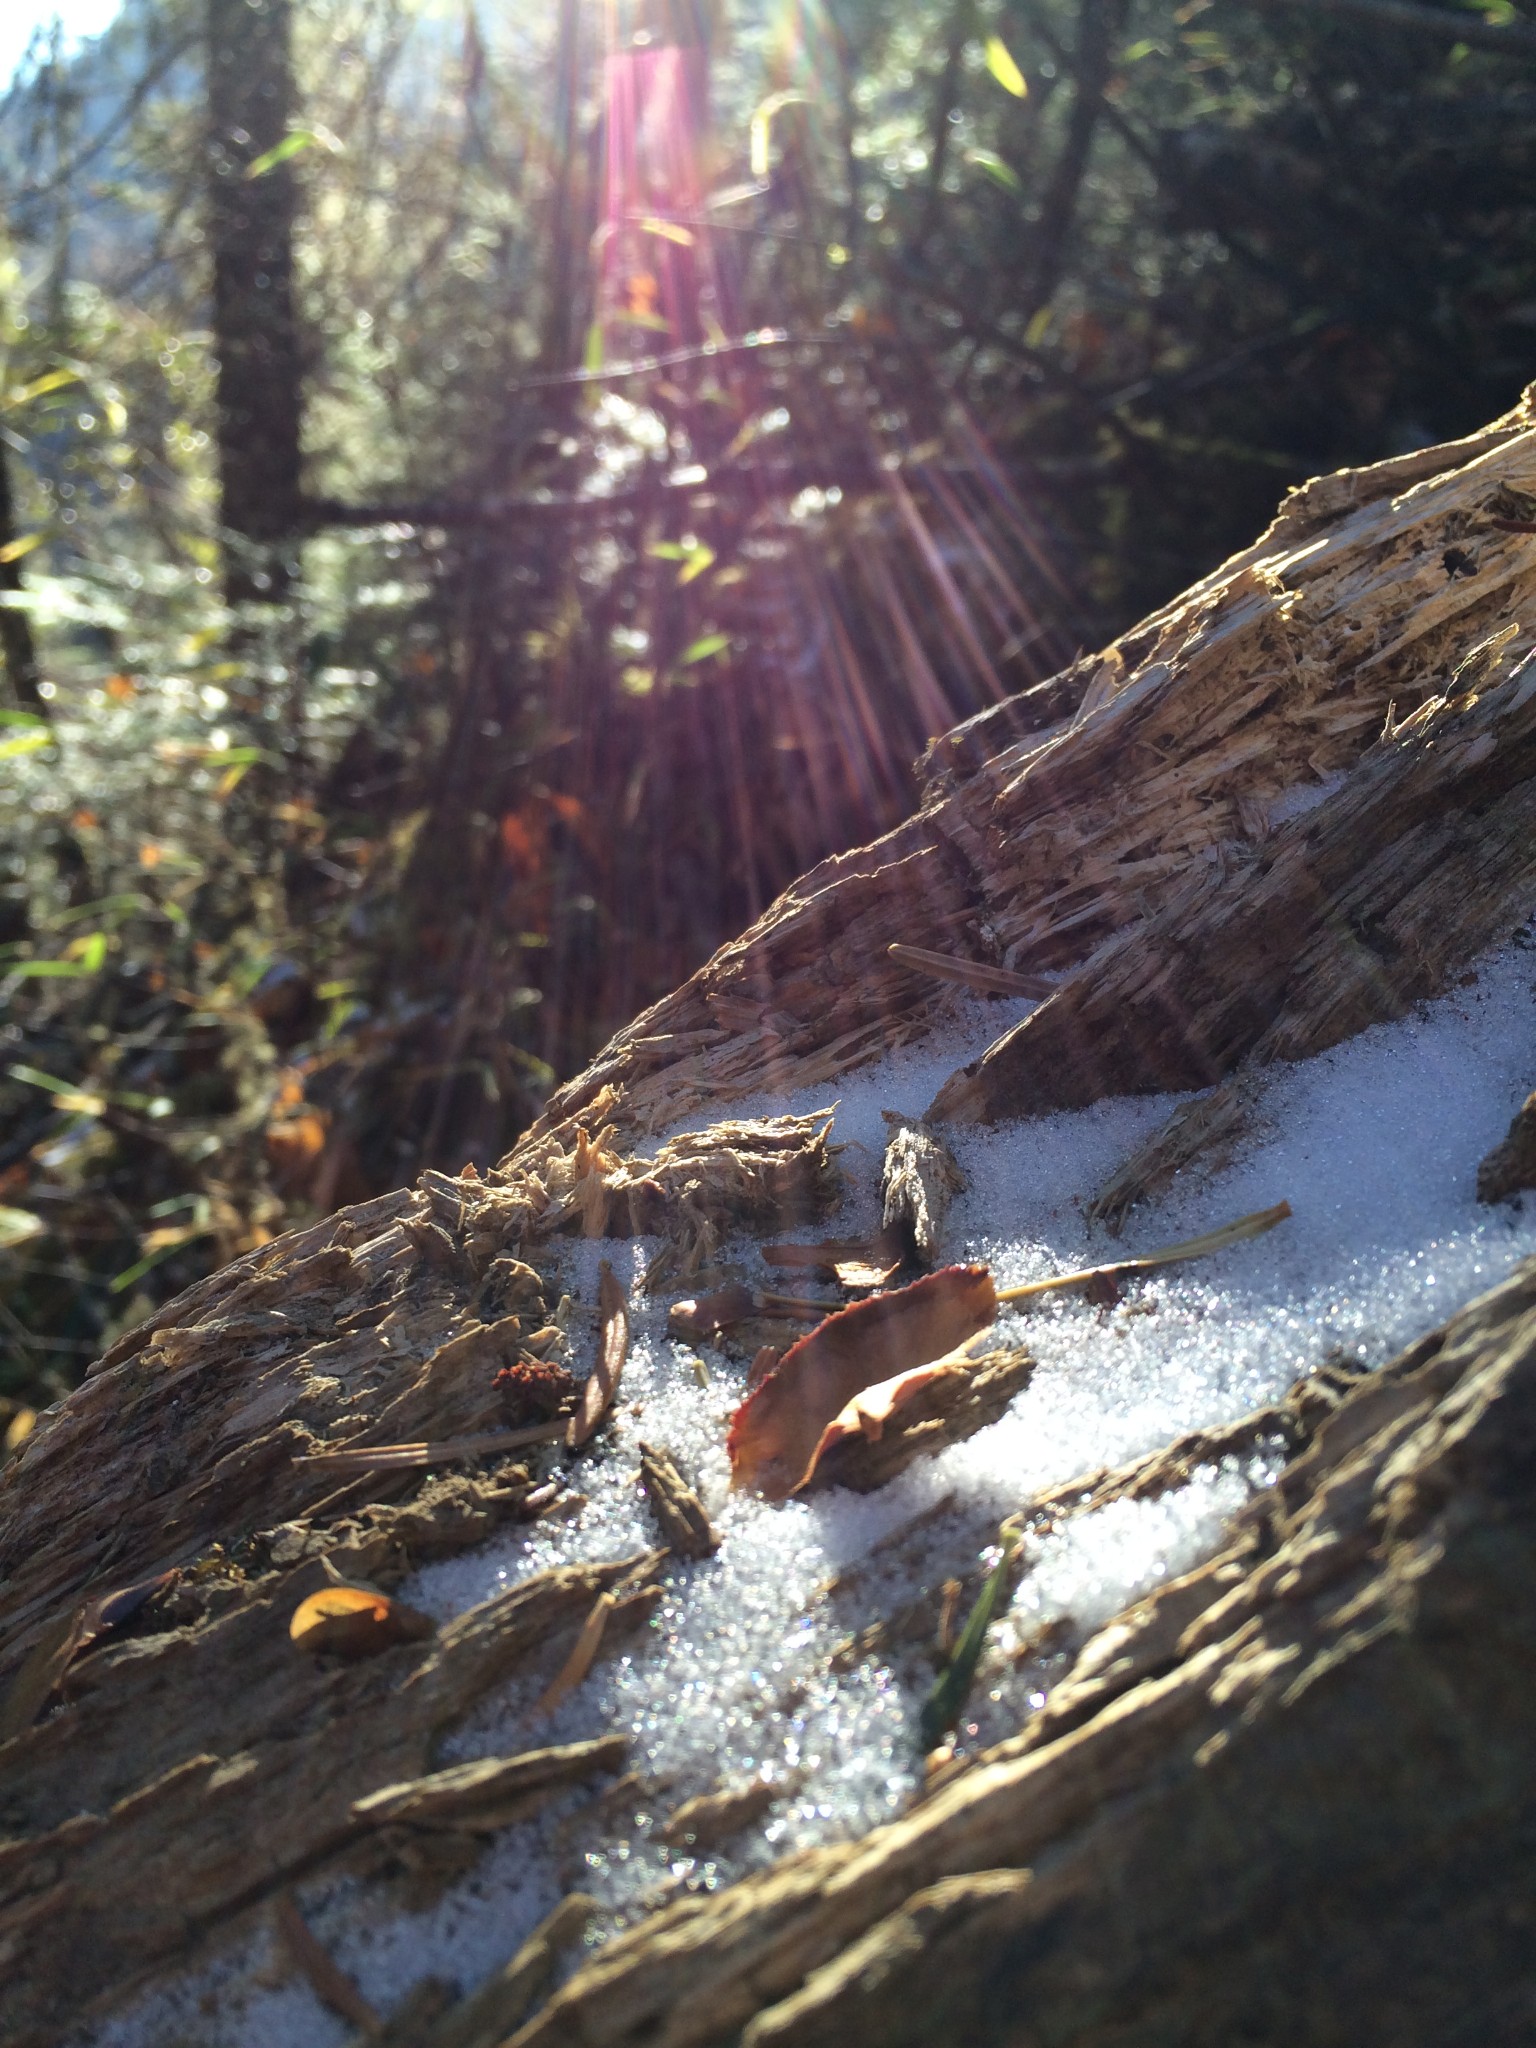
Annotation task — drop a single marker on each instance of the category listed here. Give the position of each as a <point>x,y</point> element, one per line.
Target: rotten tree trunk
<point>1290,1795</point>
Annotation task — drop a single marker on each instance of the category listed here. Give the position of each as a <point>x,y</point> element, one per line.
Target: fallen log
<point>1290,804</point>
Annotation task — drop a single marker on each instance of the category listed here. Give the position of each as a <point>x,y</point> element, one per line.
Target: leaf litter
<point>734,1685</point>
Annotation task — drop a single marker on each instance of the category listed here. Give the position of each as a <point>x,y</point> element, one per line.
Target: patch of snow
<point>1375,1145</point>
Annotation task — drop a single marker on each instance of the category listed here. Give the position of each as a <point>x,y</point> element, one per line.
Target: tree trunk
<point>15,627</point>
<point>250,229</point>
<point>1290,1795</point>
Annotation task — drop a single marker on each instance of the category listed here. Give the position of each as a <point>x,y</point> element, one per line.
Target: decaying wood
<point>488,2015</point>
<point>492,1792</point>
<point>1289,804</point>
<point>1279,1693</point>
<point>130,1828</point>
<point>919,1178</point>
<point>1090,807</point>
<point>679,1512</point>
<point>714,1817</point>
<point>1348,916</point>
<point>602,1382</point>
<point>1511,1166</point>
<point>1203,1131</point>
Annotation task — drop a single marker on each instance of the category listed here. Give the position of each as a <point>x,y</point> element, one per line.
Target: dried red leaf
<point>602,1383</point>
<point>775,1432</point>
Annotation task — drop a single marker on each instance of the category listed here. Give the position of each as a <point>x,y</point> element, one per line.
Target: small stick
<point>972,974</point>
<point>329,1982</point>
<point>1171,1255</point>
<point>580,1661</point>
<point>612,1350</point>
<point>397,1457</point>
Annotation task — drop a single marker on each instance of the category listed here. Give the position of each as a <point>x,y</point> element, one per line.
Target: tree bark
<point>250,228</point>
<point>15,628</point>
<point>1291,1795</point>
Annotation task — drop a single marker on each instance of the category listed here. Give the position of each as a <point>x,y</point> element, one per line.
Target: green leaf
<point>51,380</point>
<point>1000,63</point>
<point>22,718</point>
<point>668,551</point>
<point>47,970</point>
<point>17,1226</point>
<point>1003,174</point>
<point>90,949</point>
<point>296,140</point>
<point>943,1706</point>
<point>699,559</point>
<point>25,743</point>
<point>22,545</point>
<point>592,354</point>
<point>36,1078</point>
<point>703,648</point>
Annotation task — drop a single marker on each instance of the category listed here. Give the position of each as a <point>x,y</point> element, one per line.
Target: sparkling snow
<point>1375,1145</point>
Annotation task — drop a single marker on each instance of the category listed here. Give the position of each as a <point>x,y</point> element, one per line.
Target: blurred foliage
<point>706,404</point>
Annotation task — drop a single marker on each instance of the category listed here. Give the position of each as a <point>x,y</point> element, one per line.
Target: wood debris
<point>685,1528</point>
<point>978,975</point>
<point>612,1349</point>
<point>407,1457</point>
<point>775,1432</point>
<point>919,1178</point>
<point>329,1982</point>
<point>714,1817</point>
<point>583,1656</point>
<point>1511,1165</point>
<point>492,1792</point>
<point>490,2013</point>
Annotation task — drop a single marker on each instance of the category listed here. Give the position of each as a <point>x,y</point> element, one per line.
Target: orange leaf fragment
<point>775,1432</point>
<point>613,1348</point>
<point>355,1621</point>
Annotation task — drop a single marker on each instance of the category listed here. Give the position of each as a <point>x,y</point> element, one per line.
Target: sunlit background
<point>703,408</point>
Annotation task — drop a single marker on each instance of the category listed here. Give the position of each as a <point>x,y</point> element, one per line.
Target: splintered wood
<point>1289,805</point>
<point>1193,786</point>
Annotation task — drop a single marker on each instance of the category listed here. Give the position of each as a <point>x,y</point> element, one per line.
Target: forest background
<point>490,492</point>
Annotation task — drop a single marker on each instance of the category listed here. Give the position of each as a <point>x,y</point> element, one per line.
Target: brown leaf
<point>712,1313</point>
<point>355,1621</point>
<point>775,1432</point>
<point>613,1348</point>
<point>869,1411</point>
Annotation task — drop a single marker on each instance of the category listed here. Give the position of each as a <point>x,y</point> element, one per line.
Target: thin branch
<point>1515,39</point>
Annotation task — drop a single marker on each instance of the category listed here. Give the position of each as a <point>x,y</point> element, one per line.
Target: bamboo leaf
<point>22,545</point>
<point>292,144</point>
<point>1001,64</point>
<point>18,1226</point>
<point>25,743</point>
<point>943,1707</point>
<point>702,649</point>
<point>989,162</point>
